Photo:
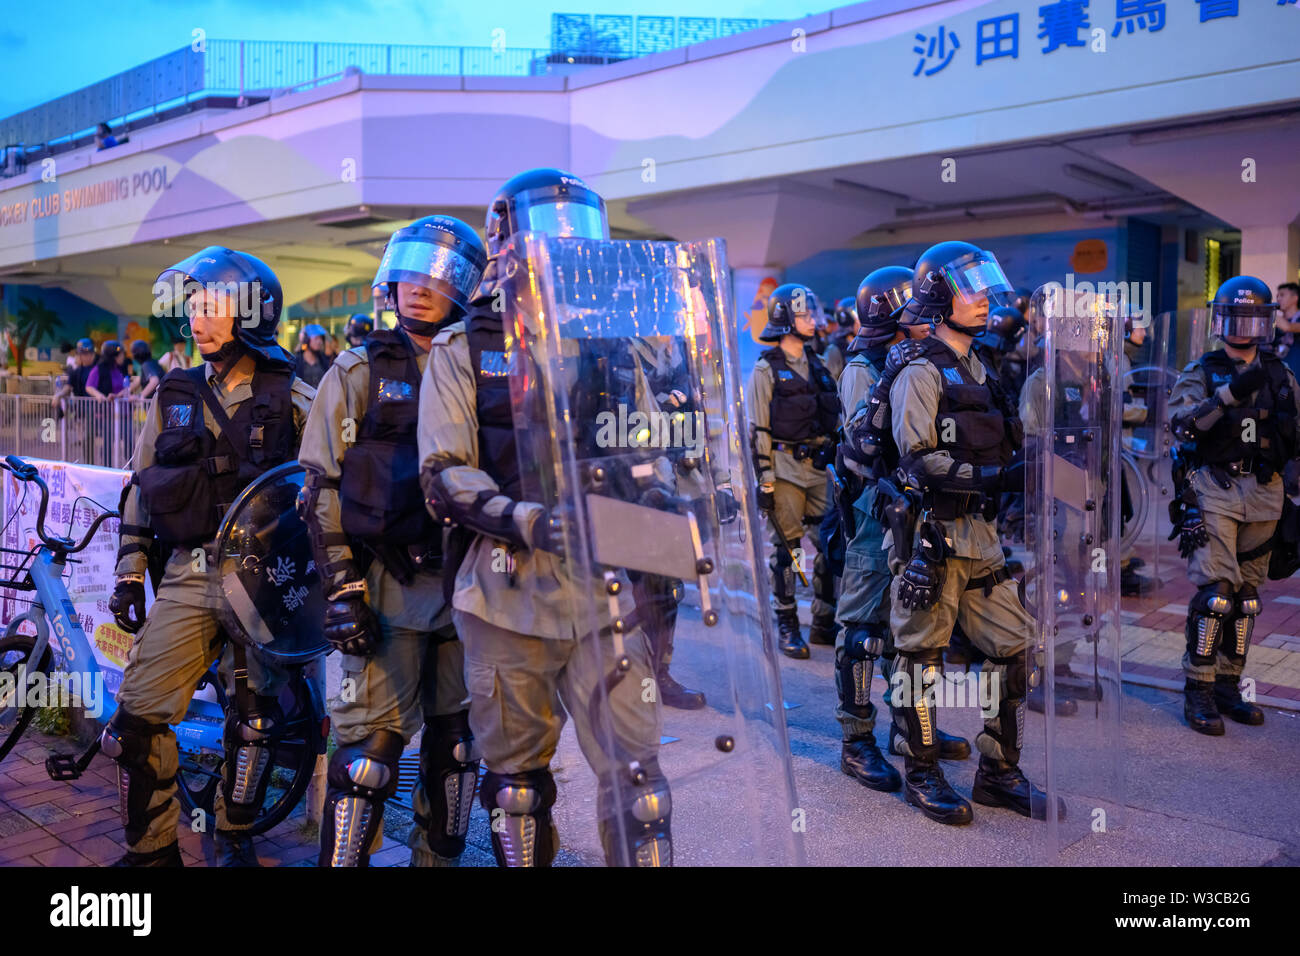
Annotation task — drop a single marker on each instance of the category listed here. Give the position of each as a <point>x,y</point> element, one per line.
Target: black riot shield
<point>627,404</point>
<point>1073,406</point>
<point>268,573</point>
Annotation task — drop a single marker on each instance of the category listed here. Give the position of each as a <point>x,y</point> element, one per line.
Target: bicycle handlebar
<point>25,471</point>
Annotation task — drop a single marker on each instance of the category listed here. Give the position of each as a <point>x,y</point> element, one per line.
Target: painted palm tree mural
<point>31,323</point>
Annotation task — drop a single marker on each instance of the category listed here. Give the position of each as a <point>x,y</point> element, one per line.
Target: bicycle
<point>295,745</point>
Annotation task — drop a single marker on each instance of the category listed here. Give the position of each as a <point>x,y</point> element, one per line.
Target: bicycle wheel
<point>294,749</point>
<point>1139,496</point>
<point>15,653</point>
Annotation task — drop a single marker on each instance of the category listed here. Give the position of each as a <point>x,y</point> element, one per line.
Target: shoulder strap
<point>200,381</point>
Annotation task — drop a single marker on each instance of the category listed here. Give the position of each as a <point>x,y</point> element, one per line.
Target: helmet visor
<point>1242,322</point>
<point>977,276</point>
<point>437,266</point>
<point>562,216</point>
<point>889,301</point>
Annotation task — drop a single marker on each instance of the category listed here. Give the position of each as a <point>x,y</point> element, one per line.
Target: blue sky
<point>51,48</point>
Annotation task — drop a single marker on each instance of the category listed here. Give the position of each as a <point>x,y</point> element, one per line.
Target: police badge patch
<point>492,364</point>
<point>395,390</point>
<point>179,416</point>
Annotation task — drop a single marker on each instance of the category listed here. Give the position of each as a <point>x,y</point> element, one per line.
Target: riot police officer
<point>1235,411</point>
<point>863,608</point>
<point>359,326</point>
<point>313,362</point>
<point>379,555</point>
<point>794,412</point>
<point>513,596</point>
<point>956,434</point>
<point>211,430</point>
<point>842,334</point>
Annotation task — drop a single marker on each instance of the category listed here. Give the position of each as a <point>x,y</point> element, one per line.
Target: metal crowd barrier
<point>85,431</point>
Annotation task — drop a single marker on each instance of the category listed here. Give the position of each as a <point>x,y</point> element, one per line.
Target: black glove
<point>127,605</point>
<point>351,626</point>
<point>725,502</point>
<point>989,478</point>
<point>548,533</point>
<point>1191,531</point>
<point>766,500</point>
<point>923,577</point>
<point>1247,382</point>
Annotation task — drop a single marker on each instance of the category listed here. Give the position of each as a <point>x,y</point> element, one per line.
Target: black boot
<point>675,695</point>
<point>928,790</point>
<point>1080,688</point>
<point>1199,709</point>
<point>1065,706</point>
<point>169,855</point>
<point>950,747</point>
<point>862,760</point>
<point>234,848</point>
<point>823,630</point>
<point>1002,784</point>
<point>1132,584</point>
<point>914,733</point>
<point>789,640</point>
<point>1227,697</point>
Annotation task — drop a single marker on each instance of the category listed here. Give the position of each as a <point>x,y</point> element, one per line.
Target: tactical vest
<point>970,422</point>
<point>381,499</point>
<point>1273,415</point>
<point>497,453</point>
<point>801,409</point>
<point>196,475</point>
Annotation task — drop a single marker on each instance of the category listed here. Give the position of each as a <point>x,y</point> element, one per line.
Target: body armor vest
<point>970,422</point>
<point>196,475</point>
<point>1273,414</point>
<point>801,409</point>
<point>497,453</point>
<point>381,499</point>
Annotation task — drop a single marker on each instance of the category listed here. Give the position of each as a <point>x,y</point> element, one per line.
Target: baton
<point>797,565</point>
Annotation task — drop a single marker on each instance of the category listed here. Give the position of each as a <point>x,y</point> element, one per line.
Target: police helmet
<point>1242,309</point>
<point>955,269</point>
<point>259,298</point>
<point>545,200</point>
<point>359,326</point>
<point>440,253</point>
<point>881,297</point>
<point>785,302</point>
<point>846,313</point>
<point>1006,322</point>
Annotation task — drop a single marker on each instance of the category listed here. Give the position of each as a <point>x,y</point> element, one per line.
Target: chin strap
<point>962,329</point>
<point>224,358</point>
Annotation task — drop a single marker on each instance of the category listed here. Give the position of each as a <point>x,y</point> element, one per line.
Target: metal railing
<point>252,70</point>
<point>86,431</point>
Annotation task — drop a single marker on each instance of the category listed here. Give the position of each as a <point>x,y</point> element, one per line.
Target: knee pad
<point>1207,611</point>
<point>128,739</point>
<point>638,833</point>
<point>914,721</point>
<point>248,758</point>
<point>782,565</point>
<point>449,762</point>
<point>361,777</point>
<point>1242,623</point>
<point>519,808</point>
<point>1004,732</point>
<point>823,580</point>
<point>855,661</point>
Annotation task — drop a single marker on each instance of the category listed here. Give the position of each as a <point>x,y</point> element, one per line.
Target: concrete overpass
<point>864,127</point>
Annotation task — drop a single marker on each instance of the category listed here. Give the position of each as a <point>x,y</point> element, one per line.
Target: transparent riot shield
<point>1146,555</point>
<point>268,572</point>
<point>1073,492</point>
<point>627,404</point>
